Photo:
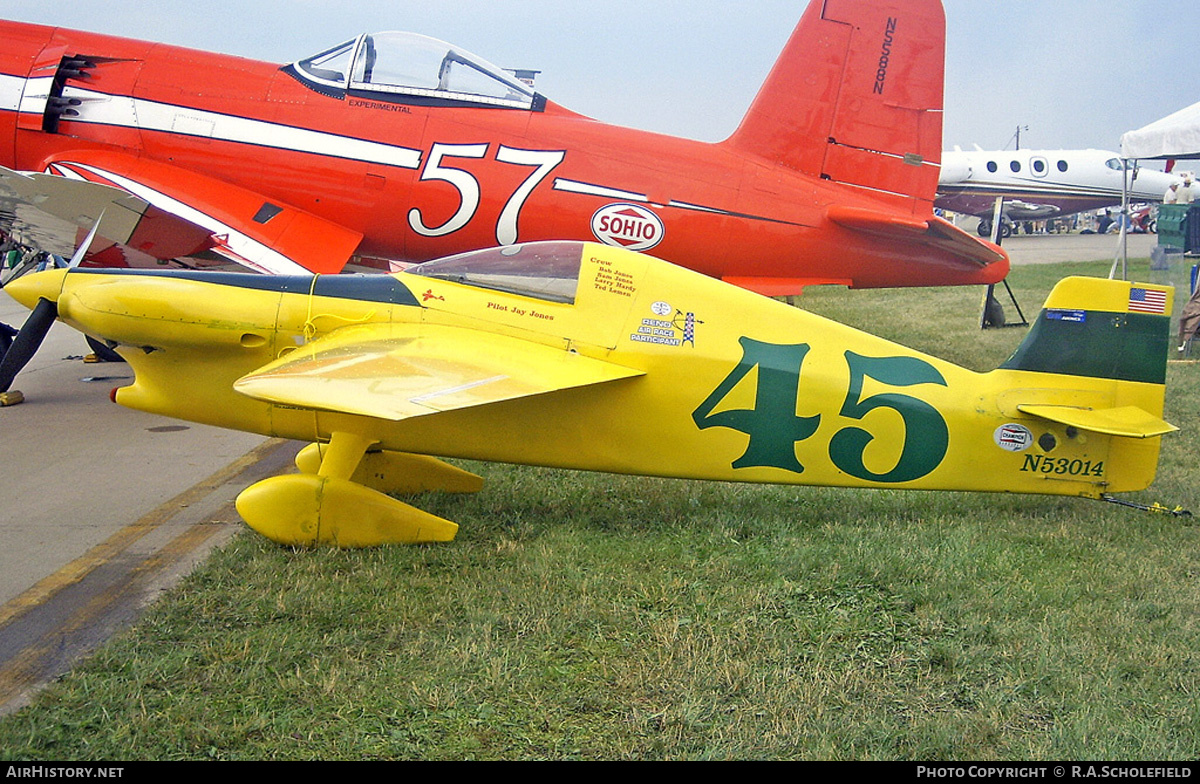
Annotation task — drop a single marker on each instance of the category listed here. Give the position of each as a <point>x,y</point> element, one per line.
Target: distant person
<point>1105,223</point>
<point>1172,194</point>
<point>1189,320</point>
<point>1184,194</point>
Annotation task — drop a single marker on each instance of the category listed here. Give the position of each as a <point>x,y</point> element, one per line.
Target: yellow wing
<point>397,371</point>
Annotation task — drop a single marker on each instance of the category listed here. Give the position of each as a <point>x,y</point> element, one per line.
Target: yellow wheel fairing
<point>303,510</point>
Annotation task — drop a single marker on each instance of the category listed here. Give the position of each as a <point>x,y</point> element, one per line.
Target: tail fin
<point>1118,333</point>
<point>856,97</point>
<point>1099,328</point>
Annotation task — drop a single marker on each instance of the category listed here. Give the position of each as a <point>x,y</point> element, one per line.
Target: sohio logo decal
<point>627,226</point>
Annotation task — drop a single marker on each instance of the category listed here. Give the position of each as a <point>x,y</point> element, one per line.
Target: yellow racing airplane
<point>585,356</point>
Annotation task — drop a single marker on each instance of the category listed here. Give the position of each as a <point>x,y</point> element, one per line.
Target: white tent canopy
<point>1174,136</point>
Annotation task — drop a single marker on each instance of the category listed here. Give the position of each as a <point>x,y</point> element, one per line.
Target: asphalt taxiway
<point>101,507</point>
<point>1053,248</point>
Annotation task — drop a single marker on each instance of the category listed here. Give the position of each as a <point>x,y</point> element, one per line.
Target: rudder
<point>856,97</point>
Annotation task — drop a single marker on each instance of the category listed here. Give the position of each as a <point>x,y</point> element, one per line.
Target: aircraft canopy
<point>543,270</point>
<point>409,66</point>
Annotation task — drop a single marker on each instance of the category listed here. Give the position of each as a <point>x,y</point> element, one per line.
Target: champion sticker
<point>627,226</point>
<point>1013,437</point>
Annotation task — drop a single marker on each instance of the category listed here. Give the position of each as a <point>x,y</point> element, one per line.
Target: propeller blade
<point>27,341</point>
<point>82,250</point>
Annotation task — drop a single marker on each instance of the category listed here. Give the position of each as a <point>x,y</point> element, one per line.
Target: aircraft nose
<point>28,289</point>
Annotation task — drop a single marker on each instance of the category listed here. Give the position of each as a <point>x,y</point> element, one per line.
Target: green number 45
<point>774,427</point>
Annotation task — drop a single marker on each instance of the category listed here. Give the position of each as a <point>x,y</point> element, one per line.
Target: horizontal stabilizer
<point>877,222</point>
<point>397,371</point>
<point>935,232</point>
<point>1125,421</point>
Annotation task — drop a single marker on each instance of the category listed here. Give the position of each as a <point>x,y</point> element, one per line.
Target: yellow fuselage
<point>732,386</point>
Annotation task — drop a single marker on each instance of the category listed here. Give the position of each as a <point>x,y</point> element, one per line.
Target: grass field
<point>582,616</point>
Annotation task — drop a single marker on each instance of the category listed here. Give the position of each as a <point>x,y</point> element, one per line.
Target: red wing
<point>150,212</point>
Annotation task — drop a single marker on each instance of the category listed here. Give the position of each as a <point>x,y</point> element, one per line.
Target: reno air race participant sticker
<point>627,226</point>
<point>1014,438</point>
<point>678,331</point>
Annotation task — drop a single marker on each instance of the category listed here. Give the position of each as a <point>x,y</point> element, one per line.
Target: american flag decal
<point>1147,301</point>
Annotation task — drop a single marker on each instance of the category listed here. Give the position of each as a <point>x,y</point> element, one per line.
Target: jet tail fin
<point>856,97</point>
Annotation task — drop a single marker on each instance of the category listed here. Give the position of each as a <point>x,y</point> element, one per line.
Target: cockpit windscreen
<point>401,65</point>
<point>543,270</point>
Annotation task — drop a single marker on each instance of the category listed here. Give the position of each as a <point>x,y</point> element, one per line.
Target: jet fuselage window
<point>1062,166</point>
<point>1039,166</point>
<point>1015,166</point>
<point>991,166</point>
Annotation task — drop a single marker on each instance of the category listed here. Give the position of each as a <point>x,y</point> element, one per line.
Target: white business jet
<point>1041,184</point>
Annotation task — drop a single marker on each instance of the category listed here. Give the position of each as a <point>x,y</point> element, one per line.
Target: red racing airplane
<point>395,148</point>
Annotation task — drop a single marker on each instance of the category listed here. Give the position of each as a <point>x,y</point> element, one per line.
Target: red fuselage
<point>420,180</point>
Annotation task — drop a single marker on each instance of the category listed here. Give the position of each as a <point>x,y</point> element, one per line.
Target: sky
<point>1069,73</point>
